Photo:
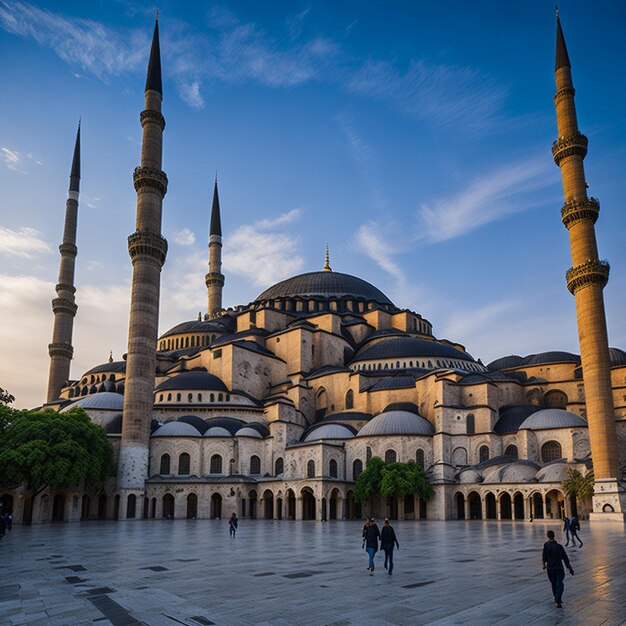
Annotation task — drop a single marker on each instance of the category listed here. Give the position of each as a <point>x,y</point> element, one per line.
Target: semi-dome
<point>543,358</point>
<point>104,400</point>
<point>176,429</point>
<point>325,285</point>
<point>397,423</point>
<point>617,357</point>
<point>555,472</point>
<point>552,418</point>
<point>246,431</point>
<point>197,422</point>
<point>407,347</point>
<point>506,362</point>
<point>216,431</point>
<point>330,431</point>
<point>200,326</point>
<point>230,424</point>
<point>512,417</point>
<point>192,381</point>
<point>111,366</point>
<point>394,382</point>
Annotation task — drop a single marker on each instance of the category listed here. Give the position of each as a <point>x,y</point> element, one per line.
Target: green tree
<point>6,397</point>
<point>57,450</point>
<point>578,486</point>
<point>368,483</point>
<point>399,480</point>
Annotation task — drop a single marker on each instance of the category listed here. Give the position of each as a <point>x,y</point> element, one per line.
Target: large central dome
<point>325,285</point>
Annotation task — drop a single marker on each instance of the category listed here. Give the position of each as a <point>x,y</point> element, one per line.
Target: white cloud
<point>190,93</point>
<point>184,237</point>
<point>371,240</point>
<point>262,255</point>
<point>487,199</point>
<point>25,242</point>
<point>13,160</point>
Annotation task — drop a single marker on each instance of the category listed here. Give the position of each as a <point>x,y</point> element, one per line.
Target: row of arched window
<point>215,465</point>
<point>550,451</point>
<point>333,469</point>
<point>108,385</point>
<point>186,342</point>
<point>390,457</point>
<point>97,379</point>
<point>212,397</point>
<point>462,365</point>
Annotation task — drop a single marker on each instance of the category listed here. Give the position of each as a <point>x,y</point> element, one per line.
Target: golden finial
<point>111,356</point>
<point>327,267</point>
<point>556,6</point>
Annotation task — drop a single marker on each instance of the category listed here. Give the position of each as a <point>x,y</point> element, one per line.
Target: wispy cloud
<point>371,240</point>
<point>25,242</point>
<point>12,160</point>
<point>184,237</point>
<point>190,93</point>
<point>492,197</point>
<point>261,253</point>
<point>79,42</point>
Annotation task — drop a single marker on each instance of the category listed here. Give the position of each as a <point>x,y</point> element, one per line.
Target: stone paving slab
<point>190,572</point>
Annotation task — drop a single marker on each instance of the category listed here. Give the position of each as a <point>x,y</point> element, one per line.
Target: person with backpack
<point>371,535</point>
<point>553,557</point>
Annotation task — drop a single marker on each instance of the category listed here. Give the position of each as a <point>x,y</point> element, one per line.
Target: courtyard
<point>164,573</point>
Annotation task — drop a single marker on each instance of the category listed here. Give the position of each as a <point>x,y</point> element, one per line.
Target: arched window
<point>220,397</point>
<point>161,398</point>
<point>511,451</point>
<point>255,465</point>
<point>165,464</point>
<point>470,424</point>
<point>350,399</point>
<point>199,397</point>
<point>551,451</point>
<point>390,456</point>
<point>419,457</point>
<point>216,464</point>
<point>190,397</point>
<point>193,342</point>
<point>131,506</point>
<point>212,397</point>
<point>357,468</point>
<point>332,468</point>
<point>483,454</point>
<point>368,454</point>
<point>169,397</point>
<point>279,466</point>
<point>184,463</point>
<point>178,397</point>
<point>310,469</point>
<point>186,342</point>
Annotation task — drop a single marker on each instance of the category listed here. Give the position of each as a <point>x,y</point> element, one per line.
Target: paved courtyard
<point>190,572</point>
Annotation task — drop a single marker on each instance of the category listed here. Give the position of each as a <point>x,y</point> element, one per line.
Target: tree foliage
<point>6,397</point>
<point>403,479</point>
<point>368,482</point>
<point>578,485</point>
<point>395,480</point>
<point>56,450</point>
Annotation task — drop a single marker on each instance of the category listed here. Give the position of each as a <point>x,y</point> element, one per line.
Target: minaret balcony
<point>64,350</point>
<point>575,210</point>
<point>561,94</point>
<point>214,278</point>
<point>150,115</point>
<point>144,243</point>
<point>150,179</point>
<point>592,271</point>
<point>68,249</point>
<point>61,305</point>
<point>564,147</point>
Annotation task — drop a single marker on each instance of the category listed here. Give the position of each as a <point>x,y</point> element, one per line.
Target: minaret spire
<point>327,267</point>
<point>215,279</point>
<point>147,250</point>
<point>64,306</point>
<point>585,280</point>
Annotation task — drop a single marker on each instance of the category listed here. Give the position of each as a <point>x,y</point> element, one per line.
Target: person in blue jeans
<point>387,542</point>
<point>553,557</point>
<point>232,524</point>
<point>566,528</point>
<point>371,535</point>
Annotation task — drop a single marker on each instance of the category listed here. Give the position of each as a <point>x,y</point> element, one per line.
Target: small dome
<point>469,476</point>
<point>104,400</point>
<point>505,363</point>
<point>552,418</point>
<point>617,356</point>
<point>551,357</point>
<point>217,431</point>
<point>329,431</point>
<point>512,417</point>
<point>192,381</point>
<point>221,325</point>
<point>406,347</point>
<point>393,382</point>
<point>113,366</point>
<point>397,423</point>
<point>176,429</point>
<point>510,472</point>
<point>231,424</point>
<point>197,422</point>
<point>246,431</point>
<point>553,473</point>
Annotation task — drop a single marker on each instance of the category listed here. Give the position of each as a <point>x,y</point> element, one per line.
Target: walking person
<point>232,525</point>
<point>574,527</point>
<point>372,535</point>
<point>387,542</point>
<point>10,522</point>
<point>553,557</point>
<point>566,527</point>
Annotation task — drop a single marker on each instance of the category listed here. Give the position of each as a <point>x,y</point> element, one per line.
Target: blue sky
<point>414,139</point>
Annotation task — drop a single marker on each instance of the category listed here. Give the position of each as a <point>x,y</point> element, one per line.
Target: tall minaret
<point>147,249</point>
<point>586,279</point>
<point>64,306</point>
<point>215,279</point>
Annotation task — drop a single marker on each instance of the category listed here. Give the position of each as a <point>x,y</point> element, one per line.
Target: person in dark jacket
<point>566,528</point>
<point>574,527</point>
<point>232,524</point>
<point>553,557</point>
<point>387,542</point>
<point>372,535</point>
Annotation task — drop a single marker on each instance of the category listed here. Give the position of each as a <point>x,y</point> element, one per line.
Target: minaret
<point>147,250</point>
<point>215,279</point>
<point>586,280</point>
<point>64,306</point>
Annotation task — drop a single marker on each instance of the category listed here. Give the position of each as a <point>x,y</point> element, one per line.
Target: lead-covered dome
<point>397,423</point>
<point>176,429</point>
<point>552,418</point>
<point>104,400</point>
<point>329,431</point>
<point>325,285</point>
<point>193,381</point>
<point>406,347</point>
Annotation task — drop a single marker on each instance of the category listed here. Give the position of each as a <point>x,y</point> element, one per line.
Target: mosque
<point>272,409</point>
